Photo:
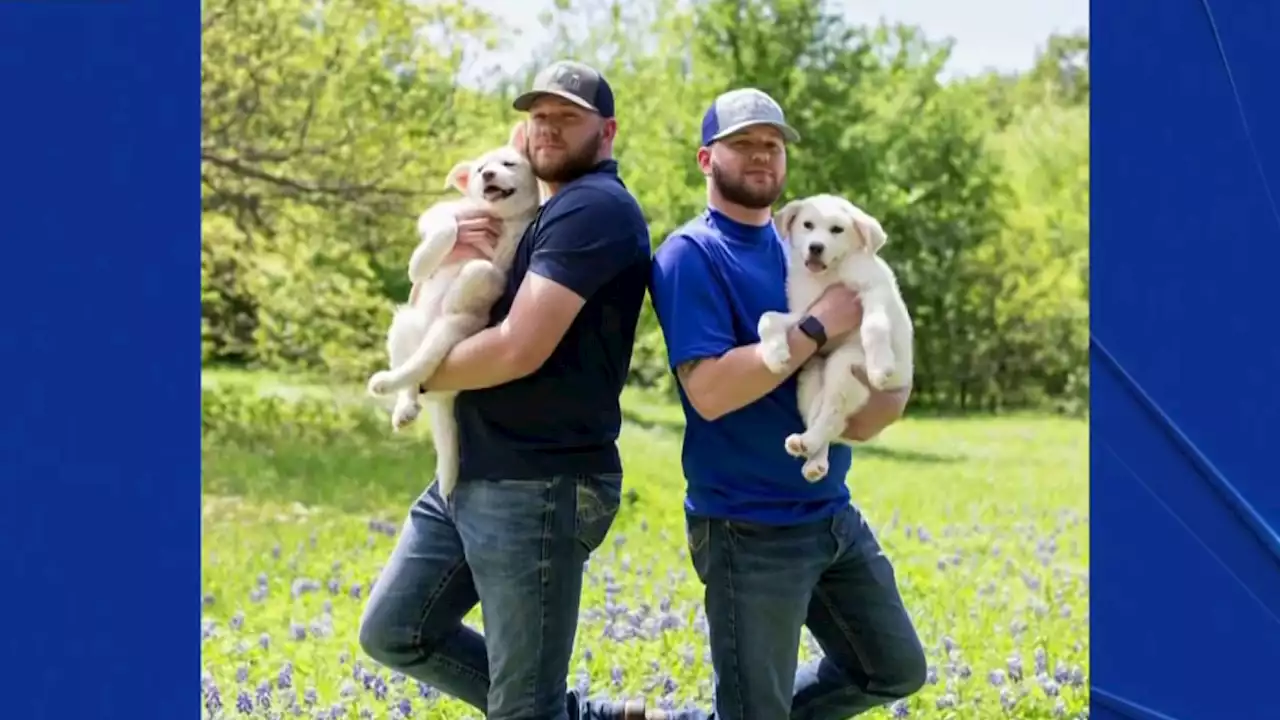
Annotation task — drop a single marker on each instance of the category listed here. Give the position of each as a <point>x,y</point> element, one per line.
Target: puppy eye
<point>836,229</point>
<point>808,225</point>
<point>508,163</point>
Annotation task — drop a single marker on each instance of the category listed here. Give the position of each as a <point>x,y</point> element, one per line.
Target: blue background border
<point>100,201</point>
<point>100,442</point>
<point>1185,576</point>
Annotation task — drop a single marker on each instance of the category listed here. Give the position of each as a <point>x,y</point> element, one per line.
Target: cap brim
<point>526,101</point>
<point>788,133</point>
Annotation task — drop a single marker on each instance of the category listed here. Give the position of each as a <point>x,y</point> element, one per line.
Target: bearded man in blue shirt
<point>774,551</point>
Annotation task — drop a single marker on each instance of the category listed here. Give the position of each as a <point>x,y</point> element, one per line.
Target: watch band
<point>812,328</point>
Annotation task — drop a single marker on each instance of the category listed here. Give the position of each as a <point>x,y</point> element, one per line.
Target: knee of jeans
<point>908,674</point>
<point>384,640</point>
<point>375,636</point>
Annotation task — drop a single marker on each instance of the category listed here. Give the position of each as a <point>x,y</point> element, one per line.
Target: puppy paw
<point>380,383</point>
<point>880,370</point>
<point>770,323</point>
<point>776,354</point>
<point>404,413</point>
<point>815,470</point>
<point>796,446</point>
<point>879,377</point>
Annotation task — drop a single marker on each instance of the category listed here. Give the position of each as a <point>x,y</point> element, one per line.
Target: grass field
<point>985,519</point>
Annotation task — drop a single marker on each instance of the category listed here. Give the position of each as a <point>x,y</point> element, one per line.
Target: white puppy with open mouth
<point>831,241</point>
<point>451,300</point>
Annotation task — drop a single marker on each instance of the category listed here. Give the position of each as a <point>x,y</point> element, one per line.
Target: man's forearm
<point>484,360</point>
<point>719,386</point>
<point>882,410</point>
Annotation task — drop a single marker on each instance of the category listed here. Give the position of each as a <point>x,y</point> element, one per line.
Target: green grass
<point>985,519</point>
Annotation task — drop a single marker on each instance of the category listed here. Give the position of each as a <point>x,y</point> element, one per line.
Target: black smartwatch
<point>813,330</point>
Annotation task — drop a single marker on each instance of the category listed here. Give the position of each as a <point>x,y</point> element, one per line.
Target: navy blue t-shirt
<point>563,419</point>
<point>712,279</point>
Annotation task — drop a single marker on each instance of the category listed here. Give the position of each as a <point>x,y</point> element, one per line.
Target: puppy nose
<point>487,175</point>
<point>816,248</point>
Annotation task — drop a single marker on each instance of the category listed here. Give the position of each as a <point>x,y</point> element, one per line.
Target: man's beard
<point>572,166</point>
<point>736,190</point>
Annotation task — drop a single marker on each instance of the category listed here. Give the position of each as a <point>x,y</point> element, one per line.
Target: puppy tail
<point>444,434</point>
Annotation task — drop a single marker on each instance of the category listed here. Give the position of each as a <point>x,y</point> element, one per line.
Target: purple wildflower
<point>302,586</point>
<point>264,694</point>
<point>1015,668</point>
<point>212,699</point>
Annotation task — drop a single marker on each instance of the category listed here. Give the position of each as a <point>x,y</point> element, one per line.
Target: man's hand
<point>477,233</point>
<point>839,310</point>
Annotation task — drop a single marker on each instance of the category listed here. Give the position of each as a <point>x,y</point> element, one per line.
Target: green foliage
<point>329,127</point>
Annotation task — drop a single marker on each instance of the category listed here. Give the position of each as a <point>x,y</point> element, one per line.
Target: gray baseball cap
<point>739,109</point>
<point>580,84</point>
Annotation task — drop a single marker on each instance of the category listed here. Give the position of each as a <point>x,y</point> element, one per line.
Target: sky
<point>999,34</point>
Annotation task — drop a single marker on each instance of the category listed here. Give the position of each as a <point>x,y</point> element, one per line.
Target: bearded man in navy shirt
<point>538,417</point>
<point>774,551</point>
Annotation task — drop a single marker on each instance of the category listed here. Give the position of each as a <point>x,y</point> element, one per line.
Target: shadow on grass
<point>654,421</point>
<point>903,455</point>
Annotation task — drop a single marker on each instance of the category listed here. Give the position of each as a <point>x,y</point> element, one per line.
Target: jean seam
<point>544,563</point>
<point>846,633</point>
<point>733,619</point>
<point>456,666</point>
<point>837,527</point>
<point>428,603</point>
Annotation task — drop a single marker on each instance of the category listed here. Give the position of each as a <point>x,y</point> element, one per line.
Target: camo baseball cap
<point>580,84</point>
<point>739,109</point>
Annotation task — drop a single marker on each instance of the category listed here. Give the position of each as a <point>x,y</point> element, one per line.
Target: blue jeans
<point>516,547</point>
<point>764,582</point>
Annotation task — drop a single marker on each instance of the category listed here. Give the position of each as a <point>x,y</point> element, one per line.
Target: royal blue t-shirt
<point>711,281</point>
<point>564,418</point>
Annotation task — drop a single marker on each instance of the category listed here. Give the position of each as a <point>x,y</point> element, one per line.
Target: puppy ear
<point>520,138</point>
<point>458,177</point>
<point>873,236</point>
<point>784,218</point>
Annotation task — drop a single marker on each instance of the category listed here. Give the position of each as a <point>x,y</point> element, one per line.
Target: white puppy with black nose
<point>831,241</point>
<point>452,299</point>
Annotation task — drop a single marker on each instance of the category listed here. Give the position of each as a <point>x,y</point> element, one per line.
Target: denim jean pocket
<point>698,536</point>
<point>598,498</point>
